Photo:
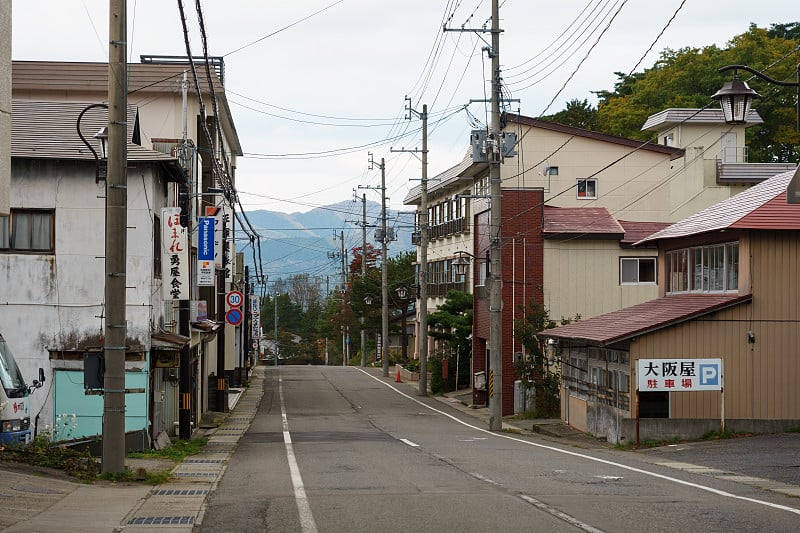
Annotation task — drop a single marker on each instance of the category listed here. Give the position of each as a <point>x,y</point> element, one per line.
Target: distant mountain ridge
<point>296,243</point>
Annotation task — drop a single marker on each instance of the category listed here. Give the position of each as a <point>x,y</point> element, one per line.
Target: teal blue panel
<point>69,399</point>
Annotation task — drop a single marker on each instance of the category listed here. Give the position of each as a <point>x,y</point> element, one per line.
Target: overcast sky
<point>341,75</point>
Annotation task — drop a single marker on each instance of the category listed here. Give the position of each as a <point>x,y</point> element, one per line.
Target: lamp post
<point>461,262</point>
<point>402,293</point>
<point>736,96</point>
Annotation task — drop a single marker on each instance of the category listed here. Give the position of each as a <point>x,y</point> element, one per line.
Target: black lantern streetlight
<point>736,96</point>
<point>402,293</point>
<point>461,263</point>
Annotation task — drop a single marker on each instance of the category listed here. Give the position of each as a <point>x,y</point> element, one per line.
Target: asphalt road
<point>335,449</point>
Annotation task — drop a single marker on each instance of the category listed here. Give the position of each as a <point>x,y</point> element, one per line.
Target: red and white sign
<point>234,316</point>
<point>234,299</point>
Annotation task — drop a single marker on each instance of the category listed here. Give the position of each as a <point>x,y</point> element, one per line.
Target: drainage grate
<point>161,520</point>
<point>179,492</point>
<point>203,461</point>
<point>195,474</point>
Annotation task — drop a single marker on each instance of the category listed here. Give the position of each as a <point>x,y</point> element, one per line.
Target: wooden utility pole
<point>384,276</point>
<point>116,243</point>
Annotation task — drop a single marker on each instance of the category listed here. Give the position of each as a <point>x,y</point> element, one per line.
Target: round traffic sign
<point>234,299</point>
<point>234,316</point>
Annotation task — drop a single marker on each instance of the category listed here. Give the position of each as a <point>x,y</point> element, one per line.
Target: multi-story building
<point>727,299</point>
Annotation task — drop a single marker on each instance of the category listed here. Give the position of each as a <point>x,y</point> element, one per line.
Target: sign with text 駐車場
<point>676,375</point>
<point>205,251</point>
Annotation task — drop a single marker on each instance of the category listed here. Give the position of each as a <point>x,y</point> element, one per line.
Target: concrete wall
<point>5,106</point>
<point>54,302</point>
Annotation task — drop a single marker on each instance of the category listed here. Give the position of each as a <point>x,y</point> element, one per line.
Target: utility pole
<point>184,313</point>
<point>495,280</point>
<point>327,295</point>
<point>116,243</point>
<point>363,272</point>
<point>221,400</point>
<point>384,276</point>
<point>342,293</point>
<point>275,320</point>
<point>422,307</point>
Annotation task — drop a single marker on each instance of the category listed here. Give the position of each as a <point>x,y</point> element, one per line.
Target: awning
<point>165,340</point>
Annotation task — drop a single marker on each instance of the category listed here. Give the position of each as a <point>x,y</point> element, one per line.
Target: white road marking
<point>558,514</point>
<point>609,478</point>
<point>484,478</point>
<point>307,524</point>
<point>412,444</point>
<point>698,486</point>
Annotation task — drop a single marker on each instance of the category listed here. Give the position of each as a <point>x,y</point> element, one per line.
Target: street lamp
<point>461,263</point>
<point>101,160</point>
<point>736,96</point>
<point>402,293</point>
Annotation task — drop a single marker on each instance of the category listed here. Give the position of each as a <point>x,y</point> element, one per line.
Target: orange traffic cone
<point>398,380</point>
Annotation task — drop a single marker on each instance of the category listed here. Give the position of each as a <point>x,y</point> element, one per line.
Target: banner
<point>174,256</point>
<point>205,251</point>
<point>679,374</point>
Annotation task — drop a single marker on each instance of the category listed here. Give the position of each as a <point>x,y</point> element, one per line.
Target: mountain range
<point>310,242</point>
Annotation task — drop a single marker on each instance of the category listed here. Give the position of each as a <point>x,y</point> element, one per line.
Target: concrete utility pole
<point>422,306</point>
<point>184,313</point>
<point>384,276</point>
<point>275,320</point>
<point>221,403</point>
<point>495,280</point>
<point>116,243</point>
<point>363,272</point>
<point>342,293</point>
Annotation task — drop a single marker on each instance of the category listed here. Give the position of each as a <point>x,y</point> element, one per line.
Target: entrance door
<point>728,144</point>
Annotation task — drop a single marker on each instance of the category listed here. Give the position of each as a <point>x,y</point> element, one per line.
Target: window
<point>587,189</point>
<point>703,269</point>
<point>552,171</point>
<point>637,270</point>
<point>27,230</point>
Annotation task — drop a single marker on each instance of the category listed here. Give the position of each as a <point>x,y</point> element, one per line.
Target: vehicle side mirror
<point>38,383</point>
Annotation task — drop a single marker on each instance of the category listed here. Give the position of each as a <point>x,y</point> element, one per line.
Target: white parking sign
<point>679,374</point>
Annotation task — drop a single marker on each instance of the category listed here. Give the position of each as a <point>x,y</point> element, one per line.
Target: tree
<point>533,370</point>
<point>688,77</point>
<point>578,113</point>
<point>451,324</point>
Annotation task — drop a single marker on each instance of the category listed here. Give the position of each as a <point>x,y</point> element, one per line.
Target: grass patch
<point>727,434</point>
<point>176,452</point>
<point>795,429</point>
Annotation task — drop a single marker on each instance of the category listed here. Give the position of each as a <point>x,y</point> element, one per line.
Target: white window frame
<point>638,261</point>
<point>687,258</point>
<point>586,182</point>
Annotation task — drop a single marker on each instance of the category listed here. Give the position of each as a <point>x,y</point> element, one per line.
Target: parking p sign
<point>679,374</point>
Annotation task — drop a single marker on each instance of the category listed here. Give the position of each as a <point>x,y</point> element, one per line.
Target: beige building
<point>5,107</point>
<point>727,290</point>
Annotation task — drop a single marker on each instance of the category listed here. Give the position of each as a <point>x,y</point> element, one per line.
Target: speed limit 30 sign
<point>234,299</point>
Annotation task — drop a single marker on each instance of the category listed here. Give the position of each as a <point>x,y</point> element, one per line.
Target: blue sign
<point>205,245</point>
<point>709,375</point>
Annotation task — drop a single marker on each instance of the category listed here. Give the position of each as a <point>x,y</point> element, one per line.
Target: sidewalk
<point>176,505</point>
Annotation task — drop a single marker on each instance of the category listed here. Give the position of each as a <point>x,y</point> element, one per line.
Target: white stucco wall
<point>53,302</point>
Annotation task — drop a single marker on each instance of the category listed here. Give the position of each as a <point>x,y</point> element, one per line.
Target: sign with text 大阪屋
<point>676,375</point>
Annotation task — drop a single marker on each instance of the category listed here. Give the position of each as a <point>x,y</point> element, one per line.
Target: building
<point>158,124</point>
<point>727,290</point>
<point>5,107</point>
<point>52,264</point>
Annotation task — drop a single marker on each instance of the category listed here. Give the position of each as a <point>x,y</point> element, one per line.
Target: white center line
<point>698,486</point>
<point>412,444</point>
<point>307,524</point>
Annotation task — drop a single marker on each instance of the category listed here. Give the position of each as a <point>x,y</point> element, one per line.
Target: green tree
<point>451,324</point>
<point>533,371</point>
<point>578,113</point>
<point>687,77</point>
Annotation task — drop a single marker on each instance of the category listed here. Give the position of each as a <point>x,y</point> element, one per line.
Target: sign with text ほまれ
<point>676,375</point>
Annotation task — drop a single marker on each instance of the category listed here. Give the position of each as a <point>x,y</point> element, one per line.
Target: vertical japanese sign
<point>223,243</point>
<point>174,255</point>
<point>255,313</point>
<point>205,251</point>
<point>679,374</point>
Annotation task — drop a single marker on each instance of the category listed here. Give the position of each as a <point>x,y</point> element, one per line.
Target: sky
<point>316,85</point>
